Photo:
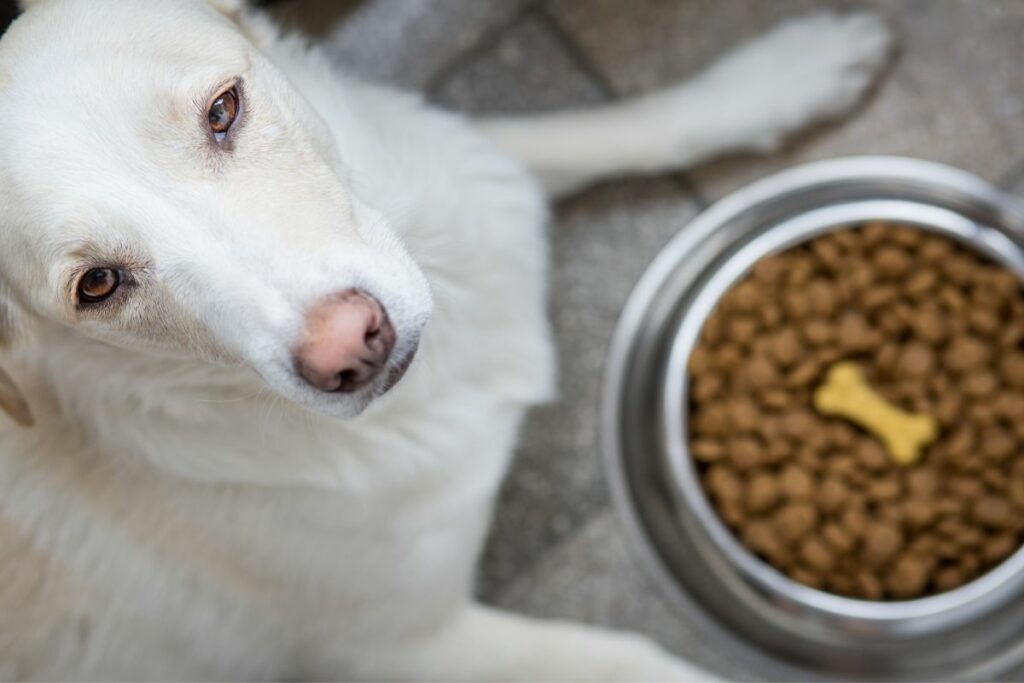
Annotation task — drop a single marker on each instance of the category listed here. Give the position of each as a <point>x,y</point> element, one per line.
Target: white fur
<point>184,507</point>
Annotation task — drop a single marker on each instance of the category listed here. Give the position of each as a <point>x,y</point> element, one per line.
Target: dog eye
<point>98,285</point>
<point>223,112</point>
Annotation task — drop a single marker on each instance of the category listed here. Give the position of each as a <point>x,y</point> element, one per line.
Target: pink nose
<point>346,343</point>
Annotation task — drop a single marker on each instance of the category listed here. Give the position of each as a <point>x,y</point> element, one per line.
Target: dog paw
<point>805,71</point>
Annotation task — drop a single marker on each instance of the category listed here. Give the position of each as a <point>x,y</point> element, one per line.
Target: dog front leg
<point>483,644</point>
<point>803,72</point>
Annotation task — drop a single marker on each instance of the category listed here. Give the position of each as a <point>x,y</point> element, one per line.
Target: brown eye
<point>98,285</point>
<point>223,113</point>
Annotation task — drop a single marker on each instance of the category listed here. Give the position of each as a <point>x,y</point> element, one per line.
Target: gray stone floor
<point>955,95</point>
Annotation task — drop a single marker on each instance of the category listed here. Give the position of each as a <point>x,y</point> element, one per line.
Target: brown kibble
<point>855,522</point>
<point>700,361</point>
<point>771,315</point>
<point>1012,335</point>
<point>832,495</point>
<point>997,444</point>
<point>930,326</point>
<point>707,450</point>
<point>952,299</point>
<point>769,270</point>
<point>948,578</point>
<point>828,252</point>
<point>796,520</point>
<point>907,237</point>
<point>804,374</point>
<point>1012,369</point>
<point>921,284</point>
<point>796,304</point>
<point>961,442</point>
<point>958,269</point>
<point>893,262</point>
<point>875,232</point>
<point>999,548</point>
<point>760,537</point>
<point>801,269</point>
<point>824,297</point>
<point>732,513</point>
<point>907,578</point>
<point>968,563</point>
<point>818,332</point>
<point>982,413</point>
<point>916,360</point>
<point>762,492</point>
<point>723,483</point>
<point>922,482</point>
<point>878,297</point>
<point>948,410</point>
<point>1004,282</point>
<point>919,513</point>
<point>935,249</point>
<point>950,506</point>
<point>785,347</point>
<point>872,456</point>
<point>816,555</point>
<point>993,512</point>
<point>727,357</point>
<point>966,353</point>
<point>744,415</point>
<point>745,297</point>
<point>881,543</point>
<point>868,586</point>
<point>984,321</point>
<point>1016,491</point>
<point>980,384</point>
<point>776,398</point>
<point>796,483</point>
<point>799,424</point>
<point>807,578</point>
<point>965,487</point>
<point>884,490</point>
<point>745,452</point>
<point>854,332</point>
<point>842,435</point>
<point>837,538</point>
<point>742,329</point>
<point>1009,405</point>
<point>758,373</point>
<point>707,387</point>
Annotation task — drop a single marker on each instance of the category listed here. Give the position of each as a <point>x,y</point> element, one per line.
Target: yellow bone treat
<point>846,393</point>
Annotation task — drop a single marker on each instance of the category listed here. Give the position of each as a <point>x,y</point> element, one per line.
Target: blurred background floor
<point>956,95</point>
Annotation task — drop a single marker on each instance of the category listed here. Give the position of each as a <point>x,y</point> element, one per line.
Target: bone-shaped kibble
<point>846,393</point>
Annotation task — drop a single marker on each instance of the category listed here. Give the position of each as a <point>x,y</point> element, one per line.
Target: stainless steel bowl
<point>765,618</point>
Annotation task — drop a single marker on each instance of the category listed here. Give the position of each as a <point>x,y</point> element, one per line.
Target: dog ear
<point>12,401</point>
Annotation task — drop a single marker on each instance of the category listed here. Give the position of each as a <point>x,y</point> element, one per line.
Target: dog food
<point>926,329</point>
<point>846,393</point>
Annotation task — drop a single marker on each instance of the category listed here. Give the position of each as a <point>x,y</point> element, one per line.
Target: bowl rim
<point>960,603</point>
<point>642,510</point>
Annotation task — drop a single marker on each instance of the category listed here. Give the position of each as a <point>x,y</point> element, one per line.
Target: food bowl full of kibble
<point>814,422</point>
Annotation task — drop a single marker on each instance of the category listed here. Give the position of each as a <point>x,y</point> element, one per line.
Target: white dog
<point>217,256</point>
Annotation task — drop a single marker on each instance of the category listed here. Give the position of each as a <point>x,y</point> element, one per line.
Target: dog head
<point>164,187</point>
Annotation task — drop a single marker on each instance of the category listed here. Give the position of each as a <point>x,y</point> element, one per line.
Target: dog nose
<point>346,343</point>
